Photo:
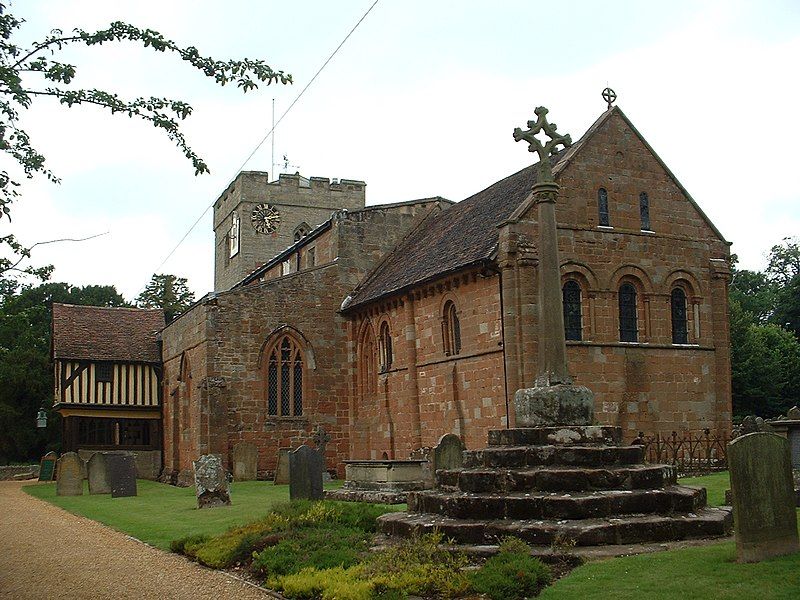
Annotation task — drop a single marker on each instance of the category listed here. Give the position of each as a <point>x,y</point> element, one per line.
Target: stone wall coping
<point>383,462</point>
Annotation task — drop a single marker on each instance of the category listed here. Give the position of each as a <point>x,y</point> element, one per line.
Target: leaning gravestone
<point>282,471</point>
<point>69,481</point>
<point>765,521</point>
<point>121,473</point>
<point>305,474</point>
<point>245,461</point>
<point>211,482</point>
<point>97,469</point>
<point>448,453</point>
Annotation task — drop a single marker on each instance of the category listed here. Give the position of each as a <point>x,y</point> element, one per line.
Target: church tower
<point>255,219</point>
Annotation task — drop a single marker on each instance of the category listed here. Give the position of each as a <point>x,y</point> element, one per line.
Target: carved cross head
<point>321,439</point>
<point>546,149</point>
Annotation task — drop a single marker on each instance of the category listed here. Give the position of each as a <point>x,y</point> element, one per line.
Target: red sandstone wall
<point>426,393</point>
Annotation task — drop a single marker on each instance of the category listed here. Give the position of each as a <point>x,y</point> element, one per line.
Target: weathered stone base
<point>628,529</point>
<point>212,499</point>
<point>371,496</point>
<point>562,486</point>
<point>554,405</point>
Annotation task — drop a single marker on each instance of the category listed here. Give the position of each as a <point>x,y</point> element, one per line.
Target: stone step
<point>556,506</point>
<point>555,479</point>
<point>567,435</point>
<point>630,529</point>
<point>531,456</point>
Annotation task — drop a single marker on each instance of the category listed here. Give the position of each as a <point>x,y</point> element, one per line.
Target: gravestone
<point>121,473</point>
<point>211,482</point>
<point>765,521</point>
<point>69,479</point>
<point>448,453</point>
<point>245,461</point>
<point>47,467</point>
<point>282,471</point>
<point>305,474</point>
<point>97,469</point>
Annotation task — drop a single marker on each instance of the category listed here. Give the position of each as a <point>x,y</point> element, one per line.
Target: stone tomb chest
<point>383,481</point>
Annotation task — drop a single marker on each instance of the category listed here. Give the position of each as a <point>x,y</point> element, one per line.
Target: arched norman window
<point>367,370</point>
<point>644,211</point>
<point>385,347</point>
<point>628,326</point>
<point>451,329</point>
<point>572,310</point>
<point>285,379</point>
<point>680,333</point>
<point>602,207</point>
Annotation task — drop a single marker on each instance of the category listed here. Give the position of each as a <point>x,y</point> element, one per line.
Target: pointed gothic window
<point>680,334</point>
<point>628,326</point>
<point>285,379</point>
<point>451,329</point>
<point>367,368</point>
<point>644,211</point>
<point>602,207</point>
<point>385,347</point>
<point>572,310</point>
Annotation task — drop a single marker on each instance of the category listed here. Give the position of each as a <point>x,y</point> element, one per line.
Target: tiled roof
<point>463,235</point>
<point>100,333</point>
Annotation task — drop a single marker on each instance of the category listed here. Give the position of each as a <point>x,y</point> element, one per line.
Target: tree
<point>34,72</point>
<point>168,292</point>
<point>26,376</point>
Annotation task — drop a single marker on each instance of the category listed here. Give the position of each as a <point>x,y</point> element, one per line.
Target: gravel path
<point>46,552</point>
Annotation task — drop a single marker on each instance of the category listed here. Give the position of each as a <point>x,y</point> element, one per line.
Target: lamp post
<point>41,418</point>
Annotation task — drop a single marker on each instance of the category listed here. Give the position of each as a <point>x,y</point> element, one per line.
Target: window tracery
<point>285,379</point>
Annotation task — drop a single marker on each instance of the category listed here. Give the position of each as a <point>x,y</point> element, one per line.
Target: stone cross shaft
<point>552,343</point>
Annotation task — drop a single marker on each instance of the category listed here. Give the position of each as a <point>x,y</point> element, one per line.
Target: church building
<point>390,325</point>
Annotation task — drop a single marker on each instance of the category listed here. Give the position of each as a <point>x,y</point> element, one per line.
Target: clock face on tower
<point>265,218</point>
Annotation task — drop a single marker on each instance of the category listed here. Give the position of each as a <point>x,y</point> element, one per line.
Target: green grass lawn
<point>708,572</point>
<point>162,513</point>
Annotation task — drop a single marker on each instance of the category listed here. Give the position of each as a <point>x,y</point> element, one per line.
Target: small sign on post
<point>47,467</point>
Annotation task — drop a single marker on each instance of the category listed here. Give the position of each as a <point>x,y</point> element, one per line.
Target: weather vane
<point>609,96</point>
<point>534,145</point>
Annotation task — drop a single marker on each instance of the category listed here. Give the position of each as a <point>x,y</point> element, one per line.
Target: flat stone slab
<point>527,456</point>
<point>630,529</point>
<point>565,435</point>
<point>557,478</point>
<point>558,506</point>
<point>372,497</point>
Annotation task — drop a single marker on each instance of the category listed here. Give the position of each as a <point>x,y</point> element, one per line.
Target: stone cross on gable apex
<point>535,145</point>
<point>321,439</point>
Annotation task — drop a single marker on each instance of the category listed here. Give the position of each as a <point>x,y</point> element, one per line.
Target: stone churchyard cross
<point>553,400</point>
<point>321,439</point>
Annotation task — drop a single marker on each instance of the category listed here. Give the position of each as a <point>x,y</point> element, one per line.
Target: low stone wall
<point>11,472</point>
<point>148,462</point>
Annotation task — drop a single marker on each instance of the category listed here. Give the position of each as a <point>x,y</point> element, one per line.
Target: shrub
<point>513,574</point>
<point>318,547</point>
<point>179,546</point>
<point>417,566</point>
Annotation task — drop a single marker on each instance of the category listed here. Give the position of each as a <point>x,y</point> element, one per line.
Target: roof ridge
<point>95,306</point>
<point>383,261</point>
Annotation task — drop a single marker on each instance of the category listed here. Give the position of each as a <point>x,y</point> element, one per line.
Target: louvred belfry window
<point>572,310</point>
<point>285,379</point>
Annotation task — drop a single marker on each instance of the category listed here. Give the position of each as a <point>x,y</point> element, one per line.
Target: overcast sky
<point>420,101</point>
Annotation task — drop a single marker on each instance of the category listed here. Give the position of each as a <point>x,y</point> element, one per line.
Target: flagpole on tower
<point>272,168</point>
